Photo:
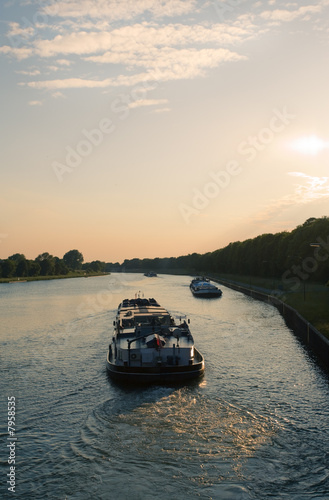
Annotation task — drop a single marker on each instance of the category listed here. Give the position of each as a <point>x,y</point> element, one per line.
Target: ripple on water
<point>182,437</point>
<point>255,428</point>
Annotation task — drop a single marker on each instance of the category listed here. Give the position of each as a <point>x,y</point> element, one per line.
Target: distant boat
<point>201,287</point>
<point>151,274</point>
<point>149,347</point>
<point>18,281</point>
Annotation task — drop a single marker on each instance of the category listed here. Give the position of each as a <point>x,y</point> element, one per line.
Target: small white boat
<point>149,347</point>
<point>201,287</point>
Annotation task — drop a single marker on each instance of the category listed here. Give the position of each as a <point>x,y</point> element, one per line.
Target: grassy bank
<point>314,307</point>
<point>71,274</point>
<point>311,300</point>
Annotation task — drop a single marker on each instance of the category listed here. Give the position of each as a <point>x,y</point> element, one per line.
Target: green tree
<point>8,268</point>
<point>97,265</point>
<point>73,259</point>
<point>47,264</point>
<point>17,257</point>
<point>47,267</point>
<point>21,264</point>
<point>22,268</point>
<point>43,256</point>
<point>60,266</point>
<point>109,266</point>
<point>34,268</point>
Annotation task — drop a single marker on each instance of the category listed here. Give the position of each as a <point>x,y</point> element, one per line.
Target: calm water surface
<point>255,427</point>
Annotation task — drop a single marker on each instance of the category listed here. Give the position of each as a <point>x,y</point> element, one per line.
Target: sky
<point>160,128</point>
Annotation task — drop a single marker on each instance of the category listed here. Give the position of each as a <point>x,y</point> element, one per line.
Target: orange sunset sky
<point>153,129</point>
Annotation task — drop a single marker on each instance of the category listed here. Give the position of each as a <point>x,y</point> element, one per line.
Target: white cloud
<point>31,72</point>
<point>313,189</point>
<point>118,9</point>
<point>64,62</point>
<point>108,33</point>
<point>165,53</point>
<point>69,83</point>
<point>176,65</point>
<point>136,39</point>
<point>19,53</point>
<point>147,102</point>
<point>158,53</point>
<point>58,95</point>
<point>35,103</point>
<point>171,58</point>
<point>15,30</point>
<point>284,15</point>
<point>53,68</point>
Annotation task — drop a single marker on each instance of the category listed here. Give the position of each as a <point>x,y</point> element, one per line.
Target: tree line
<point>47,265</point>
<point>268,255</point>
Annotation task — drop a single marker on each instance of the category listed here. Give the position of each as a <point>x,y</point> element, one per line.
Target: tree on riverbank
<point>17,266</point>
<point>73,259</point>
<point>304,250</point>
<point>45,264</point>
<point>94,266</point>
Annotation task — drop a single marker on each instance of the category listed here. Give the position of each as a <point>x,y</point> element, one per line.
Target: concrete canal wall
<point>304,331</point>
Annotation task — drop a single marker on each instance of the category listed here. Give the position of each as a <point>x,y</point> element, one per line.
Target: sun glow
<point>310,145</point>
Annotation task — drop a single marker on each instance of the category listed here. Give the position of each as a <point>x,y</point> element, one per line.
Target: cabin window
<point>152,320</point>
<point>128,323</point>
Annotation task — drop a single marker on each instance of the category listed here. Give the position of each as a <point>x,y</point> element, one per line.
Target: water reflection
<point>255,427</point>
<point>182,432</point>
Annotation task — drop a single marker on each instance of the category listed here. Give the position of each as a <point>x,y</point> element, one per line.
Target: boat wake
<point>180,436</point>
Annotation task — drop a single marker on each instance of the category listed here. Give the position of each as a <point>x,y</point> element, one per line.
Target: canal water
<point>254,427</point>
